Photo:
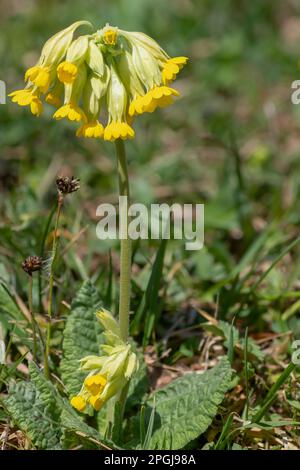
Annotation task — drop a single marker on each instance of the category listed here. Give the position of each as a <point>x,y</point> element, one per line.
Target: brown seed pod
<point>67,185</point>
<point>31,264</point>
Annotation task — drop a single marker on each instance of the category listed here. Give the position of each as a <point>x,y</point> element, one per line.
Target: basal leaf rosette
<point>109,74</point>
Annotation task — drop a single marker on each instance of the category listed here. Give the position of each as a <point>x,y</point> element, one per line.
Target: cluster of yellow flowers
<point>108,373</point>
<point>126,73</point>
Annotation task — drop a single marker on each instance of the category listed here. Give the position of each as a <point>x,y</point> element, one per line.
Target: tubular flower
<point>124,73</point>
<point>172,67</point>
<point>117,127</point>
<point>90,129</point>
<point>54,96</point>
<point>67,72</point>
<point>109,373</point>
<point>70,111</point>
<point>39,76</point>
<point>28,98</point>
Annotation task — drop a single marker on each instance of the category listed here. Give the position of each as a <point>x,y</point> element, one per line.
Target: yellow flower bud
<point>110,35</point>
<point>108,322</point>
<point>92,362</point>
<point>132,365</point>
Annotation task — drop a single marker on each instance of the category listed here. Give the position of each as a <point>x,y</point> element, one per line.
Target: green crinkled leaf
<point>71,423</point>
<point>34,409</point>
<point>45,417</point>
<point>46,390</point>
<point>82,336</point>
<point>185,408</point>
<point>75,432</point>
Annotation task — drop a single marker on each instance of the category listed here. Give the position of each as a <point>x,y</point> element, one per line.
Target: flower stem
<point>125,256</point>
<point>33,324</point>
<point>51,284</point>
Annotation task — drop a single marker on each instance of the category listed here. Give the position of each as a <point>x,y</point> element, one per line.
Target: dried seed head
<point>31,264</point>
<point>66,185</point>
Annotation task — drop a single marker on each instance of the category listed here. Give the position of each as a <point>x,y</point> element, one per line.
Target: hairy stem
<point>51,284</point>
<point>125,256</point>
<point>33,323</point>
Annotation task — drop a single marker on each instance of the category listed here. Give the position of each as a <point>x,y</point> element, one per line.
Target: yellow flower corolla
<point>117,127</point>
<point>109,73</point>
<point>90,129</point>
<point>40,76</point>
<point>53,99</point>
<point>78,402</point>
<point>158,97</point>
<point>28,98</point>
<point>67,72</point>
<point>95,384</point>
<point>109,373</point>
<point>172,67</point>
<point>55,96</point>
<point>118,130</point>
<point>70,111</point>
<point>110,35</point>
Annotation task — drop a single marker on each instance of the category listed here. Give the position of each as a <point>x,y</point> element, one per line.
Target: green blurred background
<point>231,141</point>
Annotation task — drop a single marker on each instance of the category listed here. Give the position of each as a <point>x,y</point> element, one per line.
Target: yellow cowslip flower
<point>67,72</point>
<point>70,111</point>
<point>28,98</point>
<point>158,97</point>
<point>53,99</point>
<point>126,73</point>
<point>117,127</point>
<point>95,384</point>
<point>172,67</point>
<point>55,95</point>
<point>96,403</point>
<point>39,76</point>
<point>118,130</point>
<point>90,129</point>
<point>109,373</point>
<point>78,403</point>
